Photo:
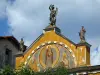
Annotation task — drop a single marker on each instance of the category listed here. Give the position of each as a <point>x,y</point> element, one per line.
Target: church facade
<point>52,49</point>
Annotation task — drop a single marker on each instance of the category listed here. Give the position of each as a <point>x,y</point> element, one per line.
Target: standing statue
<point>53,14</point>
<point>82,34</point>
<point>22,45</point>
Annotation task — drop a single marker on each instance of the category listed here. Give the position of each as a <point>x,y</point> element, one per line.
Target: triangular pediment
<point>48,39</point>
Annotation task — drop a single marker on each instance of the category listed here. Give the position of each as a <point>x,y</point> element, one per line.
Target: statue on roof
<point>53,13</point>
<point>22,45</point>
<point>82,34</point>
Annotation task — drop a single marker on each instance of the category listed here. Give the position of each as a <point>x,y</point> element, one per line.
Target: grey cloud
<point>29,17</point>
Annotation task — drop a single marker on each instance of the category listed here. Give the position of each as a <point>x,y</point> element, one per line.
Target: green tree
<point>27,71</point>
<point>7,70</point>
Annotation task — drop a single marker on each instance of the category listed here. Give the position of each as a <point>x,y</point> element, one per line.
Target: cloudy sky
<point>27,18</point>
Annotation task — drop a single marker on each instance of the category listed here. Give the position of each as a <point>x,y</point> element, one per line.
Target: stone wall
<point>7,53</point>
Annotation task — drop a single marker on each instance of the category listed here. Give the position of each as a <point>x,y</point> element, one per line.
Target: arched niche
<point>51,54</point>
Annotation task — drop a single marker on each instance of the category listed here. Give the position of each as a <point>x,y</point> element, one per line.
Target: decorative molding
<point>94,72</point>
<point>43,44</point>
<point>32,51</point>
<point>29,57</point>
<point>55,42</point>
<point>70,51</point>
<point>61,43</point>
<point>66,46</point>
<point>84,73</point>
<point>38,47</point>
<point>49,42</point>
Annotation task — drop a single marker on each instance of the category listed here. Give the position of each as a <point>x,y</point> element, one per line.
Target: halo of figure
<point>82,34</point>
<point>53,14</point>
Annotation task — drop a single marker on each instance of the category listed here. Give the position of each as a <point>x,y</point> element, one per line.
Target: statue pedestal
<point>52,27</point>
<point>84,53</point>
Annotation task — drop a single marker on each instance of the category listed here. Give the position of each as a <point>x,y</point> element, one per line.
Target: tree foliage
<point>27,71</point>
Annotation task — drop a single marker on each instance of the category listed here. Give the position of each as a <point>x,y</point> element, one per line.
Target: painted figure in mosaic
<point>53,13</point>
<point>49,57</point>
<point>22,45</point>
<point>82,34</point>
<point>35,65</point>
<point>64,60</point>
